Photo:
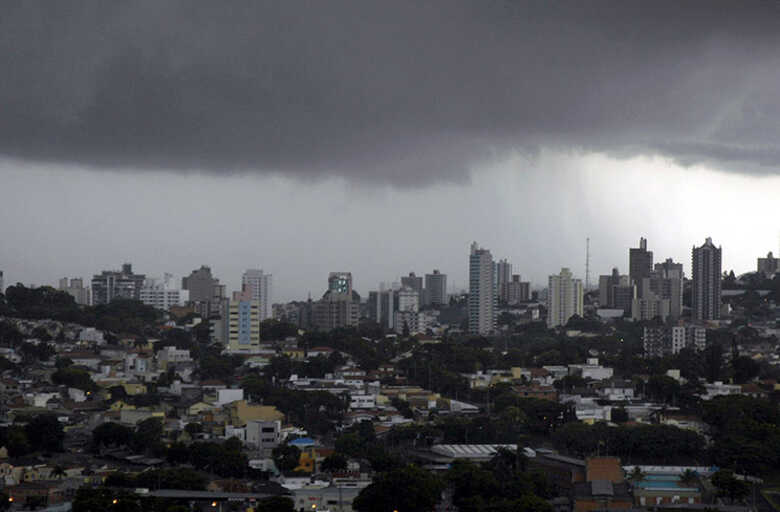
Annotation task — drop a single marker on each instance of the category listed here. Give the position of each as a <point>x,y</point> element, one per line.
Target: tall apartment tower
<point>2,283</point>
<point>517,291</point>
<point>117,284</point>
<point>706,281</point>
<point>667,282</point>
<point>482,291</point>
<point>259,286</point>
<point>75,287</point>
<point>503,278</point>
<point>339,306</point>
<point>435,289</point>
<point>205,291</point>
<point>241,324</point>
<point>564,298</point>
<point>640,264</point>
<point>413,282</point>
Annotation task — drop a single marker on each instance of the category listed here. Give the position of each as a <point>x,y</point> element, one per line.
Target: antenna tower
<point>587,264</point>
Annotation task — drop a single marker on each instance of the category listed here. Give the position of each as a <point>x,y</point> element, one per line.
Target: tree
<point>636,475</point>
<point>286,457</point>
<point>102,499</point>
<point>408,488</point>
<point>689,477</point>
<point>45,432</point>
<point>619,415</point>
<point>111,434</point>
<point>729,486</point>
<point>58,472</point>
<point>745,369</point>
<point>275,504</point>
<point>334,462</point>
<point>713,362</point>
<point>148,435</point>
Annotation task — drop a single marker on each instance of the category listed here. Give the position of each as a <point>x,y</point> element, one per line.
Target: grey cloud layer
<point>401,92</point>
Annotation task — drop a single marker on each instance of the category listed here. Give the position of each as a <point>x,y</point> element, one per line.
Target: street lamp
<point>114,501</point>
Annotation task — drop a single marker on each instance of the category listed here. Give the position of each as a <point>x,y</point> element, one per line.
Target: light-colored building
<point>564,299</point>
<point>259,286</point>
<point>435,289</point>
<point>649,306</point>
<point>482,300</point>
<point>172,355</point>
<point>162,294</point>
<point>706,289</point>
<point>518,291</point>
<point>241,324</point>
<point>117,284</point>
<point>75,287</point>
<point>264,436</point>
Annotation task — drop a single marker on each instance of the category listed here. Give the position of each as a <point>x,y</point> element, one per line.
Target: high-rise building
<point>75,287</point>
<point>666,281</point>
<point>205,291</point>
<point>482,291</point>
<point>503,277</point>
<point>241,321</point>
<point>339,306</point>
<point>767,266</point>
<point>517,291</point>
<point>413,282</point>
<point>616,291</point>
<point>564,298</point>
<point>649,306</point>
<point>117,284</point>
<point>2,283</point>
<point>640,264</point>
<point>162,294</point>
<point>435,289</point>
<point>706,281</point>
<point>660,340</point>
<point>260,288</point>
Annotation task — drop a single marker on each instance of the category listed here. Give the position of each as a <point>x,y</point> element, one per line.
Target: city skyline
<point>235,285</point>
<point>260,137</point>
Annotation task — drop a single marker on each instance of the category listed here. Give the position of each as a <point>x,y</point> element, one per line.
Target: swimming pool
<point>663,482</point>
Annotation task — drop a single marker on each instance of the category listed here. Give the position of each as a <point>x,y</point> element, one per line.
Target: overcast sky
<point>383,137</point>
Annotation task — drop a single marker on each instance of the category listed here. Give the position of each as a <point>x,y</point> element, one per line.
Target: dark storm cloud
<point>402,92</point>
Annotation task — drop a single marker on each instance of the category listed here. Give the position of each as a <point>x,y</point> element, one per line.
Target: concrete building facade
<point>435,289</point>
<point>564,298</point>
<point>260,288</point>
<point>482,300</point>
<point>706,290</point>
<point>117,284</point>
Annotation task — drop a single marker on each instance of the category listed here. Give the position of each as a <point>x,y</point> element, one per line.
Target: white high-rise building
<point>564,298</point>
<point>482,291</point>
<point>259,286</point>
<point>162,293</point>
